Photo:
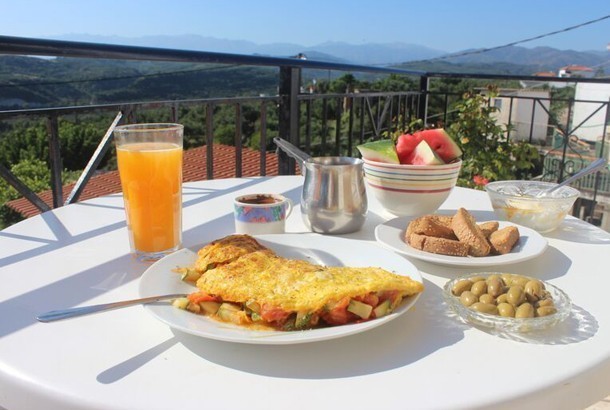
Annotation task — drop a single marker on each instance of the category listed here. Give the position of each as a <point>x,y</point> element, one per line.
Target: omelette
<point>262,288</point>
<point>219,252</point>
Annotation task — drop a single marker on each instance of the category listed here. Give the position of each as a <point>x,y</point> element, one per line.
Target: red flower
<point>479,180</point>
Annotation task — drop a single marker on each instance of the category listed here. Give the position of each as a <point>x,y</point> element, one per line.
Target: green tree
<point>488,154</point>
<point>394,82</point>
<point>344,84</point>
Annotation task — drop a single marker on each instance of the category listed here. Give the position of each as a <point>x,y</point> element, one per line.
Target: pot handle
<point>292,151</point>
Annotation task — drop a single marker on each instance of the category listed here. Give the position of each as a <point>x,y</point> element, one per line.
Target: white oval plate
<point>324,250</point>
<point>530,245</point>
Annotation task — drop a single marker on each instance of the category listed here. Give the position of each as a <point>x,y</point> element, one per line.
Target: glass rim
<point>495,186</point>
<point>239,200</point>
<point>147,127</point>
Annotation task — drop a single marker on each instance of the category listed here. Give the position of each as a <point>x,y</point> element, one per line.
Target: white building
<point>590,99</point>
<point>518,107</point>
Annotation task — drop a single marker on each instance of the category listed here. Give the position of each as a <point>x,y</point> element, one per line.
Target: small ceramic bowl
<point>516,201</point>
<point>411,190</point>
<point>508,324</point>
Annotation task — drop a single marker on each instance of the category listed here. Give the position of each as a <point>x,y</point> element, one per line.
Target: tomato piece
<point>338,314</point>
<point>203,297</point>
<point>273,314</point>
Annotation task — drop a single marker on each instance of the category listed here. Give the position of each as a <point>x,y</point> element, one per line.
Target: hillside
<point>544,58</point>
<point>27,82</point>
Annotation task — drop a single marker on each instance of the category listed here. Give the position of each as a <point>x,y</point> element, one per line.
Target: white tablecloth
<point>426,358</point>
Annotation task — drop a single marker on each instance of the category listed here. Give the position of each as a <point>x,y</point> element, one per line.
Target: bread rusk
<point>437,245</point>
<point>489,227</point>
<point>467,231</point>
<point>503,240</point>
<point>460,235</point>
<point>430,225</point>
<point>444,220</point>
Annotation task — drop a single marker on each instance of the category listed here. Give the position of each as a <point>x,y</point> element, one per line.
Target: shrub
<point>489,155</point>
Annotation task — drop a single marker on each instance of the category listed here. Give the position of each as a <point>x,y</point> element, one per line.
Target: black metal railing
<point>347,118</point>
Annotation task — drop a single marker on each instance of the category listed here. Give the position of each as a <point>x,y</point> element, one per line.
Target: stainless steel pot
<point>333,200</point>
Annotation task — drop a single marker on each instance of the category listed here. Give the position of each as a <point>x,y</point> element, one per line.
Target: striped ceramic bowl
<point>411,190</point>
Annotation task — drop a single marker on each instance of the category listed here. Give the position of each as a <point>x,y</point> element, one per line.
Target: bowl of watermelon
<point>414,175</point>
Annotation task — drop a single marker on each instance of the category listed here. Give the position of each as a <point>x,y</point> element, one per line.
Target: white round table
<point>126,359</point>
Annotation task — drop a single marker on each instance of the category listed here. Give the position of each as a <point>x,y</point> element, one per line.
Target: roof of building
<point>545,74</point>
<point>575,67</point>
<point>193,169</point>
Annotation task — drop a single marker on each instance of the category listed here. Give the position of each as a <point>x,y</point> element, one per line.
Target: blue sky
<point>447,25</point>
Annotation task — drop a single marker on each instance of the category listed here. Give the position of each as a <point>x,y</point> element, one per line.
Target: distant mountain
<point>545,58</point>
<point>365,54</point>
<point>377,54</point>
<point>537,59</point>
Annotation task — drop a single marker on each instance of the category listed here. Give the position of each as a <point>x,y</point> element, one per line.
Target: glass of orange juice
<point>150,166</point>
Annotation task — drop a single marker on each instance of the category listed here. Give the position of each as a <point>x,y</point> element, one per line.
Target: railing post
<point>263,140</point>
<point>566,141</point>
<point>93,163</point>
<point>424,88</point>
<point>55,159</point>
<point>209,140</point>
<point>238,143</point>
<point>288,115</point>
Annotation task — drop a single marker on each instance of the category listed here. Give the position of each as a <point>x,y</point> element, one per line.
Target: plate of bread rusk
<point>461,238</point>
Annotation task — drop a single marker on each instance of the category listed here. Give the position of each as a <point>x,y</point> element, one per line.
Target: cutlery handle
<point>293,152</point>
<point>86,310</point>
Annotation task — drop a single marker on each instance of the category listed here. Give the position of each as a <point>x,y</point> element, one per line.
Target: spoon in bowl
<point>592,167</point>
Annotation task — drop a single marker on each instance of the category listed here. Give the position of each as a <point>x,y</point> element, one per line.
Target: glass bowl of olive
<point>507,302</point>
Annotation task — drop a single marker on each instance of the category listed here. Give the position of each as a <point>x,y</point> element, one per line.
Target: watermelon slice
<point>437,139</point>
<point>442,144</point>
<point>380,151</point>
<point>423,154</point>
<point>405,145</point>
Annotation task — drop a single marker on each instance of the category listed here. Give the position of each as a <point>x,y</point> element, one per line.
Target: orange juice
<point>151,177</point>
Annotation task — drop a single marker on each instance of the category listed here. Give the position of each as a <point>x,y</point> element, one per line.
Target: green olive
<point>515,295</point>
<point>485,308</point>
<point>507,295</point>
<point>506,310</point>
<point>524,310</point>
<point>502,298</point>
<point>494,276</point>
<point>467,298</point>
<point>546,310</point>
<point>544,302</point>
<point>479,288</point>
<point>487,298</point>
<point>495,286</point>
<point>534,290</point>
<point>461,286</point>
<point>519,280</point>
<point>507,278</point>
